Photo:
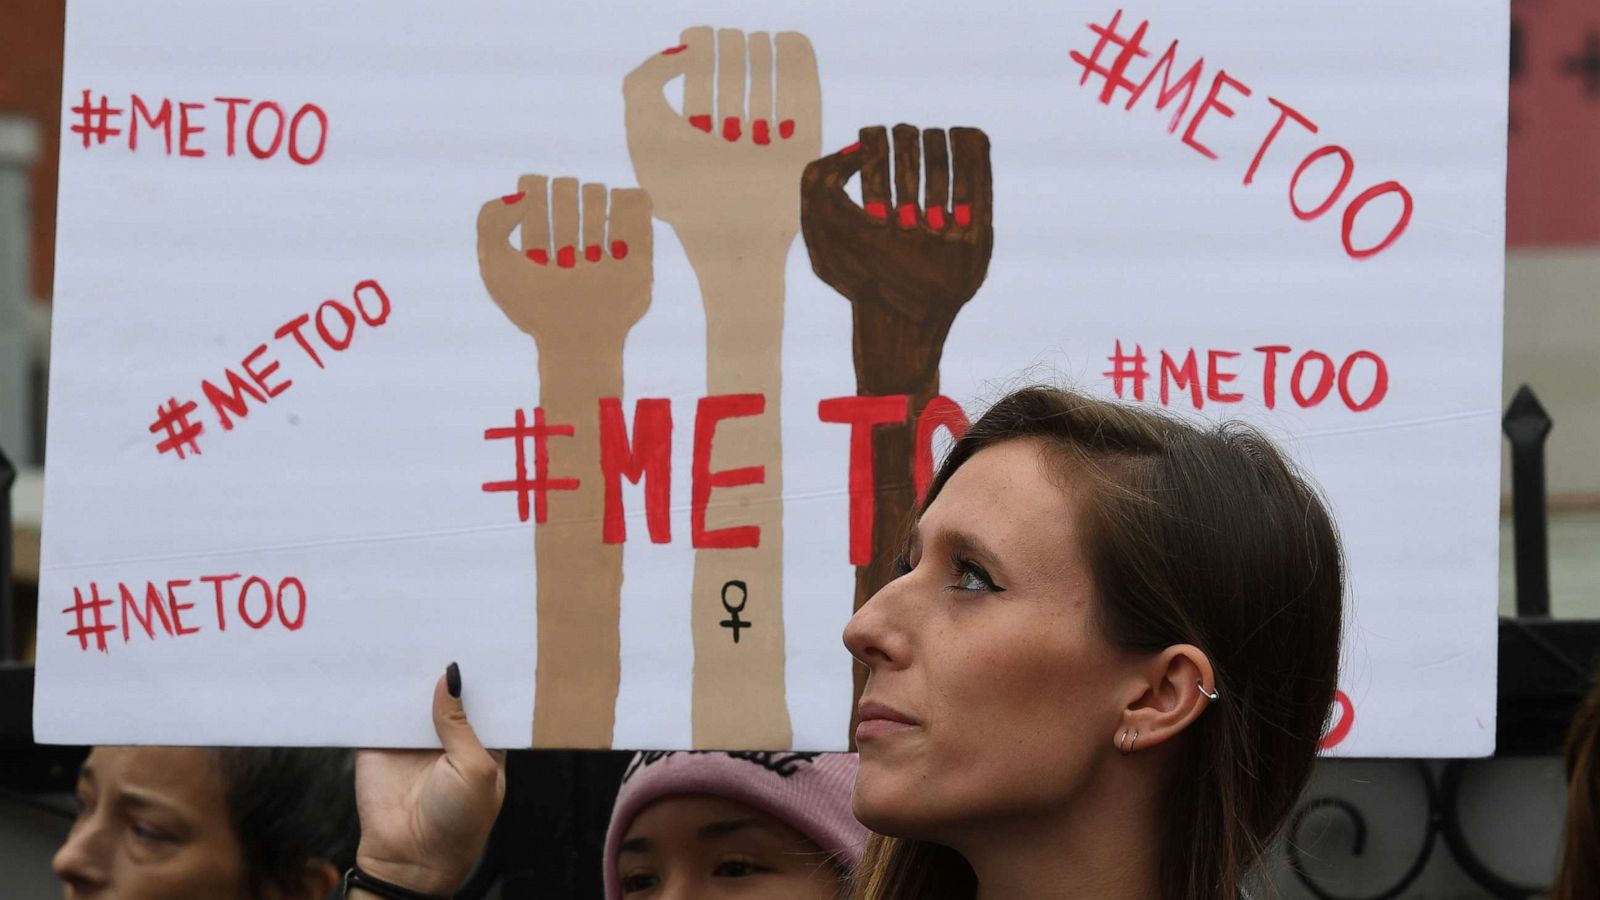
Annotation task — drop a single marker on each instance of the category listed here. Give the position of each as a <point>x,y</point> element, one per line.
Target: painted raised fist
<point>724,170</point>
<point>582,273</point>
<point>911,257</point>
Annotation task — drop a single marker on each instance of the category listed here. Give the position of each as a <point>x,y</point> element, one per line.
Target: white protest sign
<point>571,345</point>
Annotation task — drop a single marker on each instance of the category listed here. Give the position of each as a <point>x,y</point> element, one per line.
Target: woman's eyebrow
<point>635,845</point>
<point>134,798</point>
<point>731,826</point>
<point>964,543</point>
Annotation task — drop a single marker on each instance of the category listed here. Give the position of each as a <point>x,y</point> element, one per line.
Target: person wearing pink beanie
<point>769,825</point>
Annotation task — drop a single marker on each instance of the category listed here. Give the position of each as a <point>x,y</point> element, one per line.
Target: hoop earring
<point>1134,742</point>
<point>1209,695</point>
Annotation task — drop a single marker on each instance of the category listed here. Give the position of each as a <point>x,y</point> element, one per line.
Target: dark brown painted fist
<point>919,253</point>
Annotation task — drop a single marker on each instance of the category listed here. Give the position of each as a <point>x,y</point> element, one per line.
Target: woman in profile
<point>190,823</point>
<point>1103,672</point>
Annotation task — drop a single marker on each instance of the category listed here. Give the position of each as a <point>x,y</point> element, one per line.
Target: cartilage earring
<point>1209,695</point>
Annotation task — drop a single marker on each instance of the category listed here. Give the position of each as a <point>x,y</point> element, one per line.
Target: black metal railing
<point>1545,666</point>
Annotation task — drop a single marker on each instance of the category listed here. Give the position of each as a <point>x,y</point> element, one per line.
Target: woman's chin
<point>883,809</point>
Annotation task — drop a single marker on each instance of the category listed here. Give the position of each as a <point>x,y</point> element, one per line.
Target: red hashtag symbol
<point>542,483</point>
<point>95,121</point>
<point>173,418</point>
<point>92,607</point>
<point>1126,366</point>
<point>1128,50</point>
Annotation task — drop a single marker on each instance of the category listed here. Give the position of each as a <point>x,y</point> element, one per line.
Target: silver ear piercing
<point>1209,695</point>
<point>1126,742</point>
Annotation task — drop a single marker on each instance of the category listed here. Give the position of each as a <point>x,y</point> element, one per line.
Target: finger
<point>972,182</point>
<point>564,220</point>
<point>907,174</point>
<point>631,232</point>
<point>730,82</point>
<point>875,172</point>
<point>644,89</point>
<point>496,219</point>
<point>700,64</point>
<point>594,221</point>
<point>799,97</point>
<point>760,101</point>
<point>935,177</point>
<point>535,207</point>
<point>460,742</point>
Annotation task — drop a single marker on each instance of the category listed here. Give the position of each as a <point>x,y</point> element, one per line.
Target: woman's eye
<point>736,868</point>
<point>974,578</point>
<point>633,884</point>
<point>149,833</point>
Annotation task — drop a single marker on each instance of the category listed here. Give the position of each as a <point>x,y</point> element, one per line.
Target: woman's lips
<point>879,720</point>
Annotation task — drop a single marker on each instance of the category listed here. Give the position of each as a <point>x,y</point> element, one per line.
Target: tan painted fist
<point>727,170</point>
<point>582,275</point>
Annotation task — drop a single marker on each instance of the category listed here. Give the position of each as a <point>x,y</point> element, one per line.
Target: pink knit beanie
<point>809,792</point>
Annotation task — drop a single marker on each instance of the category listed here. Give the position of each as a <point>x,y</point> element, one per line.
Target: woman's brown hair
<point>1579,878</point>
<point>1203,536</point>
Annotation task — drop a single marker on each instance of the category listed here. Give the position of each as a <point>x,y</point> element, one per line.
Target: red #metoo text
<point>1118,59</point>
<point>221,126</point>
<point>1360,379</point>
<point>183,606</point>
<point>646,454</point>
<point>329,329</point>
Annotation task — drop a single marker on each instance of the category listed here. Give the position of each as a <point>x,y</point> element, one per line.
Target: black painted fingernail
<point>452,680</point>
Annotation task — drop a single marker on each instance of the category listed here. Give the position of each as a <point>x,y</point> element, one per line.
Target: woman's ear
<point>318,881</point>
<point>1179,686</point>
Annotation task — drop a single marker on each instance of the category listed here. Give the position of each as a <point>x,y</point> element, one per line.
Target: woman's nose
<point>872,635</point>
<point>81,862</point>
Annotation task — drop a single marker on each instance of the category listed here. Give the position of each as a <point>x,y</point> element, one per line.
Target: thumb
<point>832,172</point>
<point>644,90</point>
<point>460,742</point>
<point>824,203</point>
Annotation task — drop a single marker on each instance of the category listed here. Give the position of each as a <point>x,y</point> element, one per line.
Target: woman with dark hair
<point>184,823</point>
<point>1579,877</point>
<point>1103,671</point>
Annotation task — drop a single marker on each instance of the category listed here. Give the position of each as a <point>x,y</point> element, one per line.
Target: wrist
<point>429,881</point>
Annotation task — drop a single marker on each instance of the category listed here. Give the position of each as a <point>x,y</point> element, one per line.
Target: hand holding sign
<point>425,816</point>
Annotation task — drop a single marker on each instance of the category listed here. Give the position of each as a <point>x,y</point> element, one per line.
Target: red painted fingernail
<point>761,132</point>
<point>908,215</point>
<point>850,149</point>
<point>539,256</point>
<point>936,218</point>
<point>619,249</point>
<point>730,128</point>
<point>963,215</point>
<point>566,257</point>
<point>786,129</point>
<point>671,50</point>
<point>877,210</point>
<point>592,253</point>
<point>701,122</point>
<point>513,198</point>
